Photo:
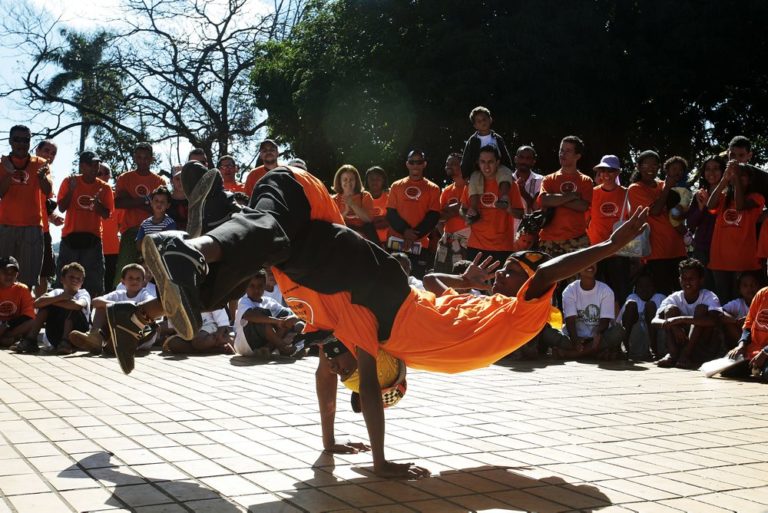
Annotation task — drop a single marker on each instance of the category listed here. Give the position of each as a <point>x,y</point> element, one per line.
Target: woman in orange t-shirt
<point>605,211</point>
<point>377,185</point>
<point>734,241</point>
<point>667,246</point>
<point>355,204</point>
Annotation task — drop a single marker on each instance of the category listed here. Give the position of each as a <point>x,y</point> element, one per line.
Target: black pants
<point>277,230</point>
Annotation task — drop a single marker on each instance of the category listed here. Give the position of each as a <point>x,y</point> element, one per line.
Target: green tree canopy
<point>362,81</point>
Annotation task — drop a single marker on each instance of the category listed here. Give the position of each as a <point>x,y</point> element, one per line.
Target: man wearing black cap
<point>85,200</point>
<point>23,177</point>
<point>268,153</point>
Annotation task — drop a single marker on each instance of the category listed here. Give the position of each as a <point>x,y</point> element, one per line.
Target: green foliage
<point>362,81</point>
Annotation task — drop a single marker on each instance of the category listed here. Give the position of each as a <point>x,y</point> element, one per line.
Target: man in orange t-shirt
<point>268,153</point>
<point>228,169</point>
<point>86,201</point>
<point>47,150</point>
<point>132,197</point>
<point>24,180</point>
<point>452,246</point>
<point>494,233</point>
<point>568,193</point>
<point>413,210</point>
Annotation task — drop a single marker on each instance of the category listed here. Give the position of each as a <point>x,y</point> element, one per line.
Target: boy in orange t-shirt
<point>17,310</point>
<point>568,193</point>
<point>753,345</point>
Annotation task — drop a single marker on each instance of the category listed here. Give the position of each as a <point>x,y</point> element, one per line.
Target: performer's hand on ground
<point>630,229</point>
<point>392,470</point>
<point>480,272</point>
<point>348,448</point>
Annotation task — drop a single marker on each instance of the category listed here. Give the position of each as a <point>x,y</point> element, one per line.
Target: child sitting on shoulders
<point>589,308</point>
<point>262,325</point>
<point>17,310</point>
<point>160,201</point>
<point>735,311</point>
<point>481,120</point>
<point>640,337</point>
<point>131,288</point>
<point>688,318</point>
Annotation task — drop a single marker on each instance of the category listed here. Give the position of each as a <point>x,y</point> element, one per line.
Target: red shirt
<point>254,176</point>
<point>80,216</point>
<point>21,203</point>
<point>566,223</point>
<point>604,212</point>
<point>412,199</point>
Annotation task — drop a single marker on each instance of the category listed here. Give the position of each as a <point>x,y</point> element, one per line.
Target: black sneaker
<point>125,330</point>
<point>209,203</point>
<point>178,270</point>
<point>27,345</point>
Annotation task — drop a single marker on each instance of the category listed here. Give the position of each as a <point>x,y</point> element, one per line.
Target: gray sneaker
<point>125,331</point>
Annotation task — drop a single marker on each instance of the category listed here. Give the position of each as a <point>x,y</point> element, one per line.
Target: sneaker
<point>26,345</point>
<point>125,331</point>
<point>64,348</point>
<point>91,341</point>
<point>178,270</point>
<point>209,203</point>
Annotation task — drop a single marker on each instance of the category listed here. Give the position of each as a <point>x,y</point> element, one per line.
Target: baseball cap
<point>417,151</point>
<point>268,141</point>
<point>9,261</point>
<point>87,157</point>
<point>609,162</point>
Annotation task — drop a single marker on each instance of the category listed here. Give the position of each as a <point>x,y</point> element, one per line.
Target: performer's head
<point>516,270</point>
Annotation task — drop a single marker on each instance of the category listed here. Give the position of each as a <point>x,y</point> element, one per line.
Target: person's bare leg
<point>648,315</point>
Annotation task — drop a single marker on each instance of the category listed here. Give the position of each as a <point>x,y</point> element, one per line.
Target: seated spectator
<point>272,289</point>
<point>735,311</point>
<point>528,231</point>
<point>262,325</point>
<point>688,318</point>
<point>60,311</point>
<point>640,337</point>
<point>213,337</point>
<point>590,308</point>
<point>132,288</point>
<point>405,263</point>
<point>753,342</point>
<point>17,309</point>
<point>459,268</point>
<point>160,200</point>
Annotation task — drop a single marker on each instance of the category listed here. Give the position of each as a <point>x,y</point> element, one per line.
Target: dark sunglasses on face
<point>20,139</point>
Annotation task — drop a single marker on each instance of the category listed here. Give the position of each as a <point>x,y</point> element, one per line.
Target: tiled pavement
<point>222,434</point>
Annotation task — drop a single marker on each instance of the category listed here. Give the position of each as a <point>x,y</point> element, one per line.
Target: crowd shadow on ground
<point>519,365</point>
<point>503,488</point>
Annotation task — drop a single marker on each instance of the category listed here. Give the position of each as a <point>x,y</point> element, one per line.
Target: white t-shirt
<point>275,294</point>
<point>588,306</point>
<point>150,287</point>
<point>737,308</point>
<point>212,321</point>
<point>243,305</point>
<point>656,298</point>
<point>706,297</point>
<point>81,294</point>
<point>122,295</point>
<point>487,140</point>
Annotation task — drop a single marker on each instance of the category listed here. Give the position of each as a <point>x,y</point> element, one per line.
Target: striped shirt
<point>148,227</point>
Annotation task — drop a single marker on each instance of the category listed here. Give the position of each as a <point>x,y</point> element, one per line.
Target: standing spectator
<point>47,150</point>
<point>699,220</point>
<point>667,246</point>
<point>607,204</point>
<point>228,169</point>
<point>568,192</point>
<point>160,221</point>
<point>452,246</point>
<point>17,308</point>
<point>481,120</point>
<point>493,233</point>
<point>268,153</point>
<point>24,180</point>
<point>179,209</point>
<point>355,204</point>
<point>110,241</point>
<point>528,182</point>
<point>737,208</point>
<point>85,200</point>
<point>413,210</point>
<point>198,155</point>
<point>132,196</point>
<point>377,185</point>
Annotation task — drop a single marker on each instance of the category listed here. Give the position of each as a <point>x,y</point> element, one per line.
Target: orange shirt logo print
<point>7,308</point>
<point>761,320</point>
<point>302,309</point>
<point>609,209</point>
<point>85,202</point>
<point>732,217</point>
<point>488,199</point>
<point>567,187</point>
<point>413,193</point>
<point>142,190</point>
<point>20,176</point>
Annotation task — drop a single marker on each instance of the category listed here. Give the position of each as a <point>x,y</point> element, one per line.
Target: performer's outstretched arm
<point>565,266</point>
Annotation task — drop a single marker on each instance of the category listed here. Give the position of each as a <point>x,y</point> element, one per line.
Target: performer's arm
<point>567,265</point>
<point>373,412</point>
<point>325,385</point>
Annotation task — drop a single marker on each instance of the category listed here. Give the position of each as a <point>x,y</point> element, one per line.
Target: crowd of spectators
<point>689,297</point>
